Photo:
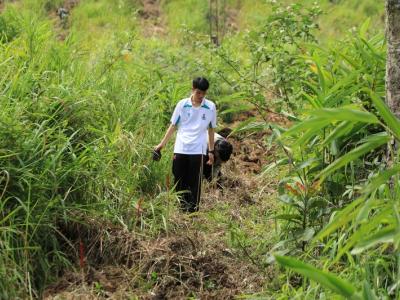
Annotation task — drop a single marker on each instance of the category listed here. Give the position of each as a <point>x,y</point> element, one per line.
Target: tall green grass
<point>77,128</point>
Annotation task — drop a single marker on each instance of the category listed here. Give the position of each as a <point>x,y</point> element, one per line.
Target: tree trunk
<point>393,56</point>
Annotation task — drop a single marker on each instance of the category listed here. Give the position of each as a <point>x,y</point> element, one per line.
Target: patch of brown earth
<point>152,22</point>
<point>250,149</point>
<point>240,181</point>
<point>98,241</point>
<point>119,264</point>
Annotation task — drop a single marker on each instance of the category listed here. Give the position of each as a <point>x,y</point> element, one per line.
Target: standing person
<point>195,119</point>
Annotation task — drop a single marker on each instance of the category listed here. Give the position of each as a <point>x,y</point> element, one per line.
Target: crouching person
<point>222,152</point>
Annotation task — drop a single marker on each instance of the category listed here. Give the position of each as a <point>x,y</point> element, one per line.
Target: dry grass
<point>168,267</point>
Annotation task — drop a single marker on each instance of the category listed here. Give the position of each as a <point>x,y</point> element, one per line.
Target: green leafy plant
<point>344,132</point>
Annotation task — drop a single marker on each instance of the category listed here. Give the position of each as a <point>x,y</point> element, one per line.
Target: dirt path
<point>197,256</point>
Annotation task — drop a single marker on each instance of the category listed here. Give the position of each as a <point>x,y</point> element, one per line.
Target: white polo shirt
<point>192,123</point>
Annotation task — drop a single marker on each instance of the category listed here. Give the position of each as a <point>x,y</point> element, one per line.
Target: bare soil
<point>168,267</point>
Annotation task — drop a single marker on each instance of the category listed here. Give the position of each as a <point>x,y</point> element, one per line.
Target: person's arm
<point>211,132</point>
<point>210,146</point>
<point>166,137</point>
<point>174,123</point>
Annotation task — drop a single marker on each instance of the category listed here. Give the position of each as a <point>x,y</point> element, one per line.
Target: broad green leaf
<point>372,142</point>
<point>326,279</point>
<point>364,28</point>
<point>237,109</point>
<point>307,234</point>
<point>281,162</point>
<point>340,219</point>
<point>361,232</point>
<point>309,134</point>
<point>321,78</point>
<point>314,100</point>
<point>308,163</point>
<point>342,129</point>
<point>390,119</point>
<point>385,235</point>
<point>368,293</point>
<point>231,98</point>
<point>321,203</point>
<point>243,124</point>
<point>344,114</point>
<point>376,55</point>
<point>305,125</point>
<point>252,126</point>
<point>382,178</point>
<point>285,198</point>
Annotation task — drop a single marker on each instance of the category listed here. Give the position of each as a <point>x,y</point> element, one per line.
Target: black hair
<point>224,149</point>
<point>224,132</point>
<point>201,83</point>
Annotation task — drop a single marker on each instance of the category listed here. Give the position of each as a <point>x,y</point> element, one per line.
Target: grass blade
<point>372,142</point>
<point>326,279</point>
<point>345,114</point>
<point>390,119</point>
<point>385,235</point>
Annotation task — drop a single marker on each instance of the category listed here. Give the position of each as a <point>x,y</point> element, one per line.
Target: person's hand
<point>210,159</point>
<point>157,152</point>
<point>158,147</point>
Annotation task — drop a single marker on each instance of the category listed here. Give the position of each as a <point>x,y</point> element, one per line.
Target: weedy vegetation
<point>309,208</point>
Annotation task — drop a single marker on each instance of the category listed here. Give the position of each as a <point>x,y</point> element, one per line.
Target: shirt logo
<point>203,117</point>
